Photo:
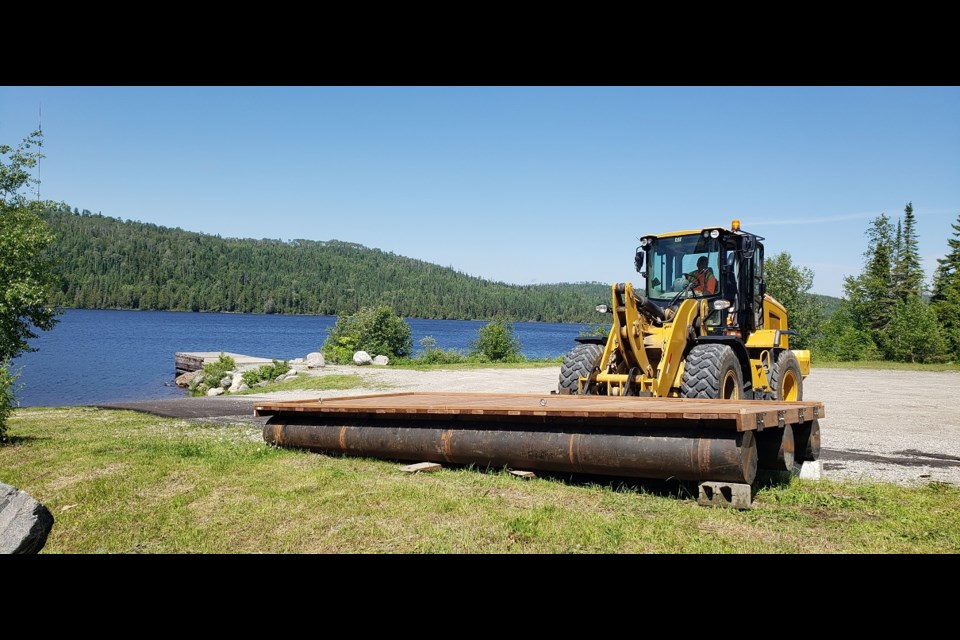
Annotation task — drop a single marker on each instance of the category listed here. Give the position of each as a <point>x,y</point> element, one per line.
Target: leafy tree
<point>26,275</point>
<point>495,342</point>
<point>376,330</point>
<point>790,285</point>
<point>844,339</point>
<point>945,300</point>
<point>913,334</point>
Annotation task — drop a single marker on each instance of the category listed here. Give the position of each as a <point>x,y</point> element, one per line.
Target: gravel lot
<point>890,426</point>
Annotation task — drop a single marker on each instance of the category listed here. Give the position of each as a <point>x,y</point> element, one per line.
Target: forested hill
<point>108,263</point>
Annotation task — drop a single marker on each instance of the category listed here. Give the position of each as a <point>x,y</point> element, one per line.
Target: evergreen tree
<point>945,301</point>
<point>869,294</point>
<point>907,274</point>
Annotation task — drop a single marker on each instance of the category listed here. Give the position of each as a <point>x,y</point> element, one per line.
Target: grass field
<point>125,482</point>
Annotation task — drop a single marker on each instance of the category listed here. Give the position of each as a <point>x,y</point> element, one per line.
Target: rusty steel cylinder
<point>685,454</point>
<point>807,436</point>
<point>775,449</point>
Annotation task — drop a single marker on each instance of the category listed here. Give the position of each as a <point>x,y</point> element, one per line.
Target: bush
<point>496,343</point>
<point>378,331</point>
<point>266,372</point>
<point>434,355</point>
<point>6,398</point>
<point>213,372</point>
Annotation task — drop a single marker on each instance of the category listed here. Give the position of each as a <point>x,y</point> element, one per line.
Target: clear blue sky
<point>518,184</point>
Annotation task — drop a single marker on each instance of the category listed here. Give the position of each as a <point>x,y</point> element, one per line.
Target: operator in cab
<point>704,281</point>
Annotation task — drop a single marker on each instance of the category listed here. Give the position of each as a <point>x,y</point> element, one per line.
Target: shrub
<point>213,372</point>
<point>434,355</point>
<point>266,372</point>
<point>6,398</point>
<point>495,342</point>
<point>377,330</point>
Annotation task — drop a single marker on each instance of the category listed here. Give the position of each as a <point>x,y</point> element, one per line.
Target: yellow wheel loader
<point>695,381</point>
<point>703,327</point>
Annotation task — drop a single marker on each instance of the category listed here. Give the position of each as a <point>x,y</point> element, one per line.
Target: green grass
<point>884,364</point>
<point>526,364</point>
<point>309,383</point>
<point>125,482</point>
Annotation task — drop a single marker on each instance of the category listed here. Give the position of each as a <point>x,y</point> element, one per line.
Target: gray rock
<point>236,382</point>
<point>361,358</point>
<point>184,379</point>
<point>24,522</point>
<point>243,387</point>
<point>316,360</point>
<point>226,381</point>
<point>381,360</point>
<point>216,391</point>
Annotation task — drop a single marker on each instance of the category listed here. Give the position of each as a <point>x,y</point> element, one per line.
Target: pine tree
<point>907,276</point>
<point>945,301</point>
<point>869,293</point>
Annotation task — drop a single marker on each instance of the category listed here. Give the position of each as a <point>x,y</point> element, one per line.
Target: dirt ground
<point>891,426</point>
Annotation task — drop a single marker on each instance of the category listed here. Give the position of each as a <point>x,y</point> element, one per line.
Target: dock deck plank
<point>746,414</point>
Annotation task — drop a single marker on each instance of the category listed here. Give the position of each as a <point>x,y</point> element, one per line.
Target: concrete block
<point>725,494</point>
<point>811,470</point>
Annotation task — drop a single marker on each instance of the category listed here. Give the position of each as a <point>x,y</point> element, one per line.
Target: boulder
<point>381,360</point>
<point>243,387</point>
<point>316,360</point>
<point>216,391</point>
<point>24,522</point>
<point>236,382</point>
<point>226,380</point>
<point>361,358</point>
<point>184,379</point>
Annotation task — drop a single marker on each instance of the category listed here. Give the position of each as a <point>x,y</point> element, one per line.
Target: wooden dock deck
<point>744,415</point>
<point>186,361</point>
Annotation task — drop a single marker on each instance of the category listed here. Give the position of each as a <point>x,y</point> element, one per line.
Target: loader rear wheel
<point>580,361</point>
<point>786,381</point>
<point>712,371</point>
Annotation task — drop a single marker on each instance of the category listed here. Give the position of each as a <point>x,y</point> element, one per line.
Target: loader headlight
<point>602,308</point>
<point>721,304</point>
<point>715,233</point>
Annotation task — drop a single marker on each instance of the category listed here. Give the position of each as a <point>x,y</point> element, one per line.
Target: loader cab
<point>733,257</point>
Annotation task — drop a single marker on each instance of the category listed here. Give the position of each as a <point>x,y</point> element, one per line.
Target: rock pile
<point>232,381</point>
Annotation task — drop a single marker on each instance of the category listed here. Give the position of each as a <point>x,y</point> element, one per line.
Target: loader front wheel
<point>786,381</point>
<point>582,360</point>
<point>712,371</point>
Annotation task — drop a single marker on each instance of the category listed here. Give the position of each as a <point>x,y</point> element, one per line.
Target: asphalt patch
<point>905,458</point>
<point>189,407</point>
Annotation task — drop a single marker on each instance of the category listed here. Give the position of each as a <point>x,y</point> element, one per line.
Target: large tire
<point>580,361</point>
<point>712,371</point>
<point>786,381</point>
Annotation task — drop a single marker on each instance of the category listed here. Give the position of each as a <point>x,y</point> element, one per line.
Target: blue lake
<point>94,357</point>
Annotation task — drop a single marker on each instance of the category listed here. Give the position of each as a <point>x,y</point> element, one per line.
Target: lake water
<point>95,356</point>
